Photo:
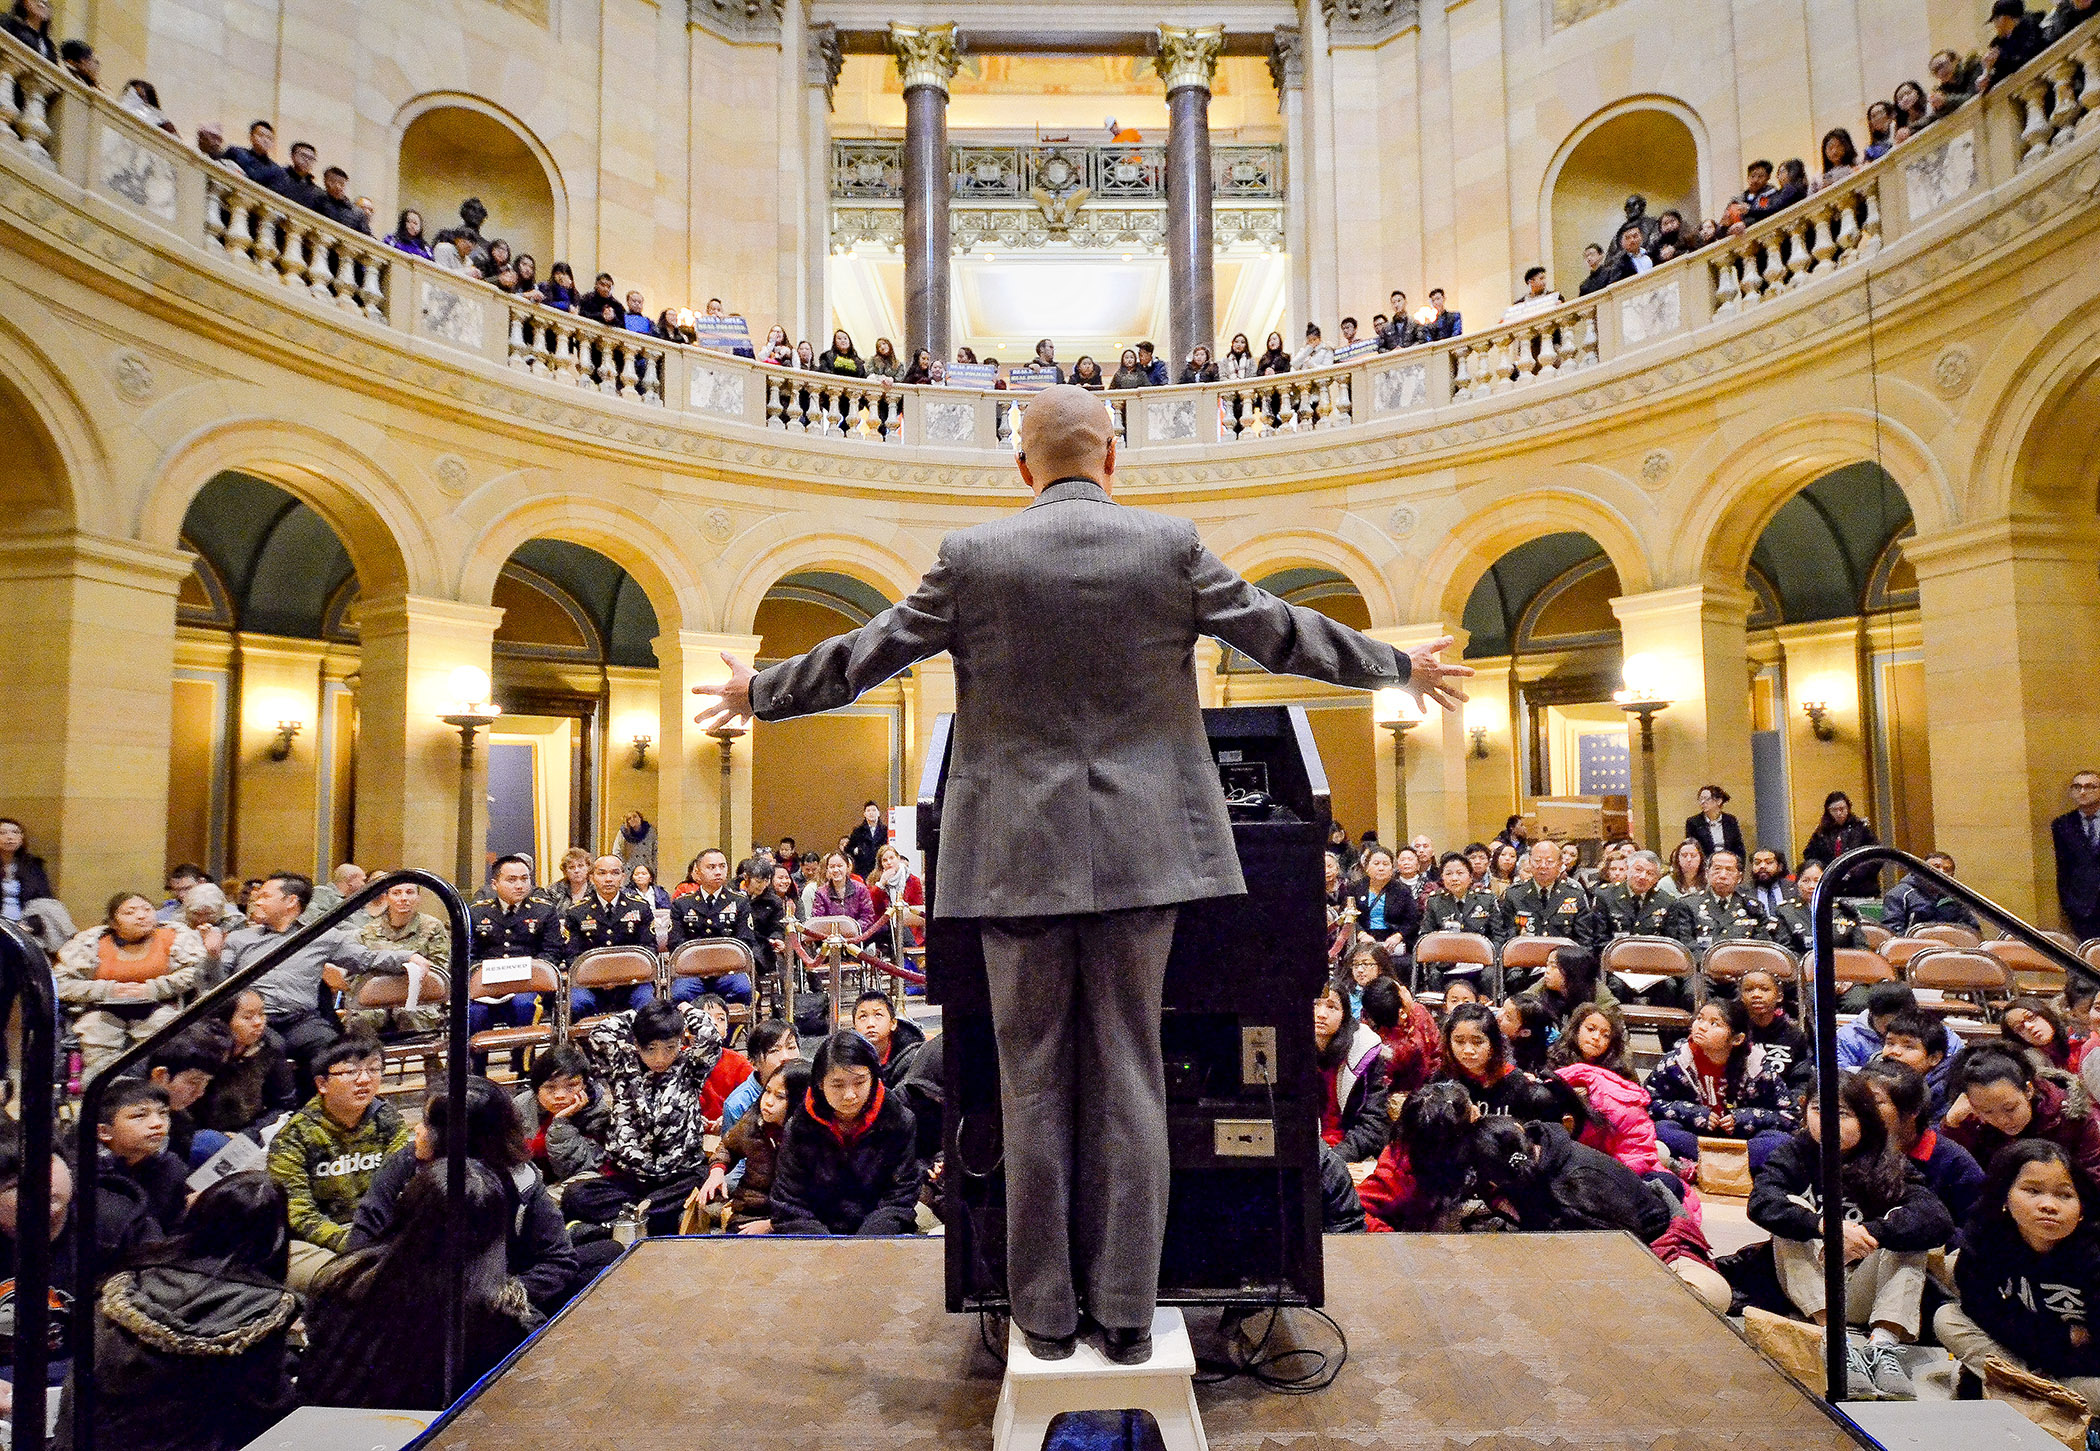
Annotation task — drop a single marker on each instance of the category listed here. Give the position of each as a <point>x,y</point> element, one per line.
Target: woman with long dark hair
<point>1842,830</point>
<point>1840,157</point>
<point>1891,1222</point>
<point>1353,1119</point>
<point>848,1163</point>
<point>537,1250</point>
<point>1422,1177</point>
<point>1476,1056</point>
<point>407,235</point>
<point>359,1349</point>
<point>190,1332</point>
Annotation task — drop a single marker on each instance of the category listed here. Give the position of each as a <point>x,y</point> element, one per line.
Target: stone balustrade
<point>1928,186</point>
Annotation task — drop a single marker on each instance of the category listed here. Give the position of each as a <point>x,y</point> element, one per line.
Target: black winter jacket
<point>1784,1201</point>
<point>2028,1302</point>
<point>252,1092</point>
<point>907,1042</point>
<point>536,1245</point>
<point>1573,1186</point>
<point>1341,1212</point>
<point>822,1184</point>
<point>189,1357</point>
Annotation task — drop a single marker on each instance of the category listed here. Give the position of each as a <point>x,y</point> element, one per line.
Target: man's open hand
<point>1430,679</point>
<point>732,697</point>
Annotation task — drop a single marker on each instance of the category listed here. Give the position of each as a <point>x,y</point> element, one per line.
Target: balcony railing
<point>873,171</point>
<point>93,155</point>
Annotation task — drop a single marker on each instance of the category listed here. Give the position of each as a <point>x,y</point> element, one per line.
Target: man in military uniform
<point>1549,905</point>
<point>514,920</point>
<point>769,917</point>
<point>609,915</point>
<point>716,910</point>
<point>1793,925</point>
<point>1635,907</point>
<point>1459,904</point>
<point>404,928</point>
<point>1718,912</point>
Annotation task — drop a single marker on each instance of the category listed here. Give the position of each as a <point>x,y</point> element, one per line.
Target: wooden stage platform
<point>1486,1341</point>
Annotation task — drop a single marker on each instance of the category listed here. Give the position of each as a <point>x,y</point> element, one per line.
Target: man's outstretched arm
<point>1292,640</point>
<point>844,667</point>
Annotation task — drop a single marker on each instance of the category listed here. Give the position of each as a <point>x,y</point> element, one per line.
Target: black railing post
<point>24,958</point>
<point>1825,1008</point>
<point>87,1173</point>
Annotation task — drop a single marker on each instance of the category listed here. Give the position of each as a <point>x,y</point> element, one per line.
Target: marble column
<point>1287,70</point>
<point>823,60</point>
<point>689,763</point>
<point>86,708</point>
<point>2010,608</point>
<point>926,59</point>
<point>1188,61</point>
<point>407,757</point>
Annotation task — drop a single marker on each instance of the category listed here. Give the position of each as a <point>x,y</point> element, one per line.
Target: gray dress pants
<point>1075,1010</point>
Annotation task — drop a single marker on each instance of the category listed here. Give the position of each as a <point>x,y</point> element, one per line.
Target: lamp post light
<point>470,686</point>
<point>1644,703</point>
<point>725,736</point>
<point>1397,711</point>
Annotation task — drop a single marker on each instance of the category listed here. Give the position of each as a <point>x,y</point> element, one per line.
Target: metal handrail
<point>24,957</point>
<point>1825,1009</point>
<point>87,1171</point>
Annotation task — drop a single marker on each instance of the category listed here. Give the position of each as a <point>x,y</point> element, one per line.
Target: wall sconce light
<point>1479,737</point>
<point>641,746</point>
<point>1818,719</point>
<point>287,732</point>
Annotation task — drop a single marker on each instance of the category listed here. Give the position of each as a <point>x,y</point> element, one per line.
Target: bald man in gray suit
<point>1082,809</point>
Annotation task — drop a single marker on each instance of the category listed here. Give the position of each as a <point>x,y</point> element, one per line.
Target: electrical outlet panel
<point>1257,1040</point>
<point>1244,1138</point>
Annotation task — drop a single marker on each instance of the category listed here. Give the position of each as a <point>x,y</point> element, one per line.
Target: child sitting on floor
<point>1718,1083</point>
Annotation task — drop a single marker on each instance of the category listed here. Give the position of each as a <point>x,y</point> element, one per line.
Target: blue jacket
<point>1857,1043</point>
<point>1158,372</point>
<point>1951,1172</point>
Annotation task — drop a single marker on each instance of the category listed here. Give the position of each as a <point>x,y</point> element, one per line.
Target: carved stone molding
<point>1287,61</point>
<point>1188,55</point>
<point>737,19</point>
<point>1367,22</point>
<point>824,58</point>
<point>926,55</point>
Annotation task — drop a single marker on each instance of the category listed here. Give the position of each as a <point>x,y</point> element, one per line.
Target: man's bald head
<point>1065,435</point>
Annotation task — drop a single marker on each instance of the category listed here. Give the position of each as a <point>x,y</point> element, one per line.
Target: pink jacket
<point>1619,1122</point>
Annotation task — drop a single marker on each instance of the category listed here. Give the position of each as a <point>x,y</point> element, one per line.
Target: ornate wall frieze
<point>738,19</point>
<point>1367,22</point>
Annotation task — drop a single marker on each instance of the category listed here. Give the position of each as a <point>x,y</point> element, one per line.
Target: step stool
<point>1036,1391</point>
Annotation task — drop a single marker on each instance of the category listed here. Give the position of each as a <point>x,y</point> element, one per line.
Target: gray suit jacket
<point>1080,779</point>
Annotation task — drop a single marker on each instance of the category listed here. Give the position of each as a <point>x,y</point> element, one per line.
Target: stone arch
<point>495,146</point>
<point>1448,576</point>
<point>1263,554</point>
<point>1748,486</point>
<point>63,455</point>
<point>1637,143</point>
<point>383,529</point>
<point>654,557</point>
<point>766,562</point>
<point>2035,452</point>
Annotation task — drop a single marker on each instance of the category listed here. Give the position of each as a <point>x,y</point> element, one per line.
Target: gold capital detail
<point>1188,55</point>
<point>926,54</point>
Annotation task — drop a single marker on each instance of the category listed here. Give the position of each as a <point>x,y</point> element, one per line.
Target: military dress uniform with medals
<point>698,917</point>
<point>1475,912</point>
<point>1700,919</point>
<point>1620,913</point>
<point>628,920</point>
<point>1561,910</point>
<point>494,929</point>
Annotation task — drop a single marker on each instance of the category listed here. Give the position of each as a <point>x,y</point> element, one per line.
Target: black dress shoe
<point>1127,1347</point>
<point>1044,1347</point>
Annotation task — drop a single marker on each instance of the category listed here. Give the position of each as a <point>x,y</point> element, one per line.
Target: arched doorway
<point>809,777</point>
<point>1647,149</point>
<point>452,152</point>
<point>1541,632</point>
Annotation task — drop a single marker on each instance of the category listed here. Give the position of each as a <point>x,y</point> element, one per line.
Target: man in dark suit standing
<point>2076,834</point>
<point>1073,626</point>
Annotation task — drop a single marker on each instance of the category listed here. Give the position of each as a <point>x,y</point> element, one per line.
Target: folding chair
<point>1527,954</point>
<point>1729,959</point>
<point>1450,949</point>
<point>1860,967</point>
<point>599,968</point>
<point>385,991</point>
<point>2089,954</point>
<point>1974,974</point>
<point>1947,934</point>
<point>544,979</point>
<point>1874,935</point>
<point>2031,971</point>
<point>1900,950</point>
<point>1650,957</point>
<point>712,957</point>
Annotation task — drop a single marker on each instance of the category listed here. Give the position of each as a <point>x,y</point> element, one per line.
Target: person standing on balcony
<point>1445,324</point>
<point>1155,367</point>
<point>1315,353</point>
<point>30,23</point>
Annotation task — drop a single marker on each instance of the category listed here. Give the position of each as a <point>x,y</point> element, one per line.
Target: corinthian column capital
<point>926,55</point>
<point>1188,55</point>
